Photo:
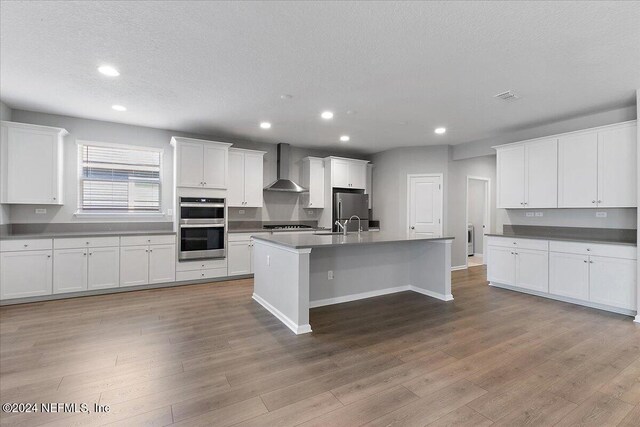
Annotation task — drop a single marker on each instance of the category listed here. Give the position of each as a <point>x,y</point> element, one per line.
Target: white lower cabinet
<point>103,270</point>
<point>143,265</point>
<point>569,275</point>
<point>26,274</point>
<point>594,274</point>
<point>612,281</point>
<point>239,258</point>
<point>532,269</point>
<point>69,270</point>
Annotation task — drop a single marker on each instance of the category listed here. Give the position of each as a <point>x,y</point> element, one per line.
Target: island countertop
<point>308,241</point>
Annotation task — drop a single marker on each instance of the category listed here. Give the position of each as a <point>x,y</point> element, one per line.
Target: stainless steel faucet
<point>343,226</point>
<point>359,226</point>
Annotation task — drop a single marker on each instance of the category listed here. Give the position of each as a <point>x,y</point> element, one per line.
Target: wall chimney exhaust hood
<point>283,183</point>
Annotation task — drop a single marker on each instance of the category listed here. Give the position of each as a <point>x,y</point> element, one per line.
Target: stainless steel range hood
<point>283,183</point>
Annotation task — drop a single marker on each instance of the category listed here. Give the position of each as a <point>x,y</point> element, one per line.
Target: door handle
<point>412,227</point>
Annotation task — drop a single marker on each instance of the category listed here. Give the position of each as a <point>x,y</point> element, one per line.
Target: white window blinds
<point>119,179</point>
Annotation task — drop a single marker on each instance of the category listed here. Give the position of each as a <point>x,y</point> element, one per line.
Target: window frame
<point>116,213</point>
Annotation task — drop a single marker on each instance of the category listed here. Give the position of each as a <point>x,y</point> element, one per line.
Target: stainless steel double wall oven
<point>202,228</point>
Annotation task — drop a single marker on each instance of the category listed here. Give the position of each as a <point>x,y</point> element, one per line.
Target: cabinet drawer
<point>241,237</point>
<point>152,239</point>
<point>599,249</point>
<point>208,273</point>
<point>26,245</point>
<point>86,242</point>
<point>199,265</point>
<point>506,242</point>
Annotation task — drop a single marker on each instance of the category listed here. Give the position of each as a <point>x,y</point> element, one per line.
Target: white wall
<point>5,114</point>
<point>279,206</point>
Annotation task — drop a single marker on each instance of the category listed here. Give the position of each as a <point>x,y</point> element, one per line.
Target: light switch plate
<point>529,214</point>
<point>330,275</point>
<point>41,211</point>
<point>539,214</point>
<point>601,214</point>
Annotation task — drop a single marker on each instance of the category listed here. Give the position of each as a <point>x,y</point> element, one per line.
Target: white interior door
<point>424,205</point>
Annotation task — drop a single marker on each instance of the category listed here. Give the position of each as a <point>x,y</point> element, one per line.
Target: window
<point>119,179</point>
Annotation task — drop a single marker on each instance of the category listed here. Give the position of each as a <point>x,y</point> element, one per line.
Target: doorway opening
<point>478,219</point>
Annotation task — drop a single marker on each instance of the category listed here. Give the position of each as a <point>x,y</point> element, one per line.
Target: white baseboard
<point>458,267</point>
<point>637,319</point>
<point>432,294</point>
<point>354,297</point>
<point>569,300</point>
<point>297,329</point>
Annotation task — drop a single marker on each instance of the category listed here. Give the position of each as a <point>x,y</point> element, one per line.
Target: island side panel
<point>281,283</point>
<point>359,271</point>
<point>430,269</point>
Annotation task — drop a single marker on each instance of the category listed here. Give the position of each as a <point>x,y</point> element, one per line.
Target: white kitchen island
<point>294,273</point>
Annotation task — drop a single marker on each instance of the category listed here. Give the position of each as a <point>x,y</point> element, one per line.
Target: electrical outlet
<point>539,213</point>
<point>330,275</point>
<point>241,211</point>
<point>41,211</point>
<point>529,214</point>
<point>601,214</point>
<point>268,260</point>
<point>310,212</point>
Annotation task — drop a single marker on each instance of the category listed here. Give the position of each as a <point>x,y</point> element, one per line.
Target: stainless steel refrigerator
<point>347,204</point>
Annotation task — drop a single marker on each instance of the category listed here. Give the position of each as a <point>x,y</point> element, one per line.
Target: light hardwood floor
<point>209,355</point>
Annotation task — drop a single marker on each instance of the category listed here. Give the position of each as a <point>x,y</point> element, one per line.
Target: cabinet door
<point>162,263</point>
<point>541,174</point>
<point>578,171</point>
<point>215,166</point>
<point>613,282</point>
<point>239,258</point>
<point>569,275</point>
<point>104,268</point>
<point>190,168</point>
<point>358,175</point>
<point>316,184</point>
<point>253,180</point>
<point>340,173</point>
<point>69,270</point>
<point>134,265</point>
<point>25,274</point>
<point>510,172</point>
<point>532,270</point>
<point>32,167</point>
<point>617,167</point>
<point>235,191</point>
<point>501,265</point>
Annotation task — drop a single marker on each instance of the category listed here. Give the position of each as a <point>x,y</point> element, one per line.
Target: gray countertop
<point>63,234</point>
<point>306,241</point>
<point>585,239</point>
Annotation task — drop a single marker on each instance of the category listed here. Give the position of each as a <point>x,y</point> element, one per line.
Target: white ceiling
<point>404,67</point>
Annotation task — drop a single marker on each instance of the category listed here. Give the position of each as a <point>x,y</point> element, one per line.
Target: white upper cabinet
<point>201,164</point>
<point>348,173</point>
<point>586,169</point>
<point>617,179</point>
<point>31,167</point>
<point>541,174</point>
<point>313,180</point>
<point>510,164</point>
<point>245,178</point>
<point>578,170</point>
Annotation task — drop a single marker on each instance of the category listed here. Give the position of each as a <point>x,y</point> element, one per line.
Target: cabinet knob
<point>151,250</point>
<point>54,198</point>
<point>204,183</point>
<point>90,253</point>
<point>599,201</point>
<point>26,246</point>
<point>84,253</point>
<point>310,204</point>
<point>590,262</point>
<point>585,261</point>
<point>202,265</point>
<point>412,227</point>
<point>48,256</point>
<point>593,201</point>
<point>588,250</point>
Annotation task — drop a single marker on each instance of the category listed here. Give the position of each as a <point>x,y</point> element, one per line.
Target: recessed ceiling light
<point>344,138</point>
<point>119,107</point>
<point>351,112</point>
<point>440,131</point>
<point>327,115</point>
<point>108,70</point>
<point>265,125</point>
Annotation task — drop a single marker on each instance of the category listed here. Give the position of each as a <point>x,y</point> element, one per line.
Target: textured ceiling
<point>403,67</point>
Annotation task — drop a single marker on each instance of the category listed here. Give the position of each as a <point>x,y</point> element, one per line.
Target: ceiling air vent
<point>507,96</point>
